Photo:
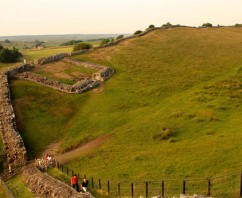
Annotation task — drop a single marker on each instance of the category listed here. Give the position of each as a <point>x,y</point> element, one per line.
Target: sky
<point>39,17</point>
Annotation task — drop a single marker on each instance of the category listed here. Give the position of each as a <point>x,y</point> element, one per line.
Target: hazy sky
<point>24,17</point>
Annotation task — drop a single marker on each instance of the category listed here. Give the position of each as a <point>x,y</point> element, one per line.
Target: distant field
<point>33,54</point>
<point>173,108</point>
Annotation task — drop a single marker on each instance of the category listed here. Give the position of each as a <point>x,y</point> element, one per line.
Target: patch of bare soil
<point>65,157</point>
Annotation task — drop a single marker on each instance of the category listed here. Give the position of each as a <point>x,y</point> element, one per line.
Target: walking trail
<point>65,157</point>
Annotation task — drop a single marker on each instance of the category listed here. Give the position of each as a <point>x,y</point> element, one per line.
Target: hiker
<point>9,169</point>
<point>74,182</point>
<point>84,185</point>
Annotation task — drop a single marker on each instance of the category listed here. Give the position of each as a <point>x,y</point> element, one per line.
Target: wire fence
<point>224,186</point>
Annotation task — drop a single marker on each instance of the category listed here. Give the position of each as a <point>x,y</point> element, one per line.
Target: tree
<point>205,25</point>
<point>238,25</point>
<point>82,46</point>
<point>138,32</point>
<point>168,24</point>
<point>104,42</point>
<point>9,56</point>
<point>6,41</point>
<point>151,26</point>
<point>120,37</point>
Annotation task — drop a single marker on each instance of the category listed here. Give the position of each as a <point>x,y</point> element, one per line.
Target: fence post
<point>184,187</point>
<point>92,183</point>
<point>163,189</point>
<point>132,190</point>
<point>58,166</point>
<point>72,172</point>
<point>209,187</point>
<point>146,189</point>
<point>241,185</point>
<point>78,175</point>
<point>118,189</point>
<point>62,168</point>
<point>67,170</point>
<point>99,182</point>
<point>108,187</point>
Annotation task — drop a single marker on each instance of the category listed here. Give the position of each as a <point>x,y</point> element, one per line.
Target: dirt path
<point>65,157</point>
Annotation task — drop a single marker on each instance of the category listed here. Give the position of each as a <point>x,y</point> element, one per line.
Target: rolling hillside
<point>173,108</point>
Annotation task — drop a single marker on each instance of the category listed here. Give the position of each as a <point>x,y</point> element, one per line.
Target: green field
<point>173,108</point>
<point>18,188</point>
<point>3,193</point>
<point>33,54</point>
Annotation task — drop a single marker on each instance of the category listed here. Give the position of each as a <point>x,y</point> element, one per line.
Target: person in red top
<point>74,182</point>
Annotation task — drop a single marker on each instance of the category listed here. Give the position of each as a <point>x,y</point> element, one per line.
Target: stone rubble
<point>77,88</point>
<point>44,185</point>
<point>102,74</point>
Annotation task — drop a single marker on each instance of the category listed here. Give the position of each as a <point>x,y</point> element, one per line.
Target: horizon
<point>58,17</point>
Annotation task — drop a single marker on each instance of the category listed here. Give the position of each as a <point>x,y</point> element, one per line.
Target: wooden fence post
<point>118,189</point>
<point>209,187</point>
<point>146,189</point>
<point>132,190</point>
<point>67,170</point>
<point>62,168</point>
<point>163,189</point>
<point>184,187</point>
<point>108,187</point>
<point>99,182</point>
<point>72,172</point>
<point>58,166</point>
<point>92,183</point>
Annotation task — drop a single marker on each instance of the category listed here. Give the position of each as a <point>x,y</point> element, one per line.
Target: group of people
<point>75,184</point>
<point>45,162</point>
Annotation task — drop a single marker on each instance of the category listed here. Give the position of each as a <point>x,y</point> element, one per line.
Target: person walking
<point>74,182</point>
<point>84,185</point>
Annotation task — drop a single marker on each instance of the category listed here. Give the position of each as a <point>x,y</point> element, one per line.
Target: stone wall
<point>43,185</point>
<point>12,141</point>
<point>57,57</point>
<point>103,72</point>
<point>77,88</point>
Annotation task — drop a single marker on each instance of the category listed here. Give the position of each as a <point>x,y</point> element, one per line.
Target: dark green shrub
<point>238,25</point>
<point>71,42</point>
<point>137,32</point>
<point>82,46</point>
<point>104,42</point>
<point>168,24</point>
<point>120,37</point>
<point>6,41</point>
<point>205,25</point>
<point>9,56</point>
<point>151,26</point>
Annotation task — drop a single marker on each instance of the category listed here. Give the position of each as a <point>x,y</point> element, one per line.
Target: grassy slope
<point>185,79</point>
<point>17,187</point>
<point>3,194</point>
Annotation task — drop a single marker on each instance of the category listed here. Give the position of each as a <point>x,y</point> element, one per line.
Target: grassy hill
<point>173,108</point>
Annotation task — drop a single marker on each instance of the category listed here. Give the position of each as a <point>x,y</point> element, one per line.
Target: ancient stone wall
<point>77,88</point>
<point>103,72</point>
<point>12,141</point>
<point>43,185</point>
<point>51,58</point>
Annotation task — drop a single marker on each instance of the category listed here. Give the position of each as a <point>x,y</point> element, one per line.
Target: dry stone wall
<point>12,141</point>
<point>43,185</point>
<point>103,72</point>
<point>77,88</point>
